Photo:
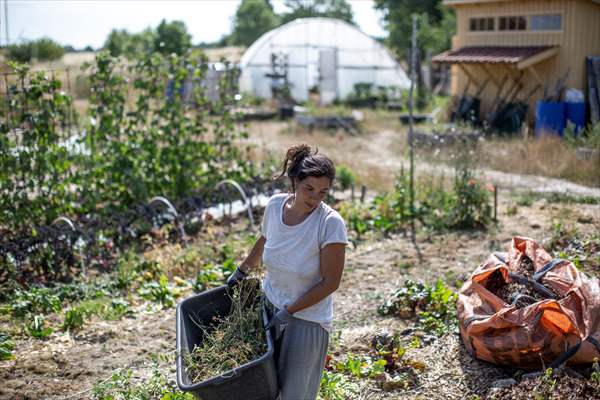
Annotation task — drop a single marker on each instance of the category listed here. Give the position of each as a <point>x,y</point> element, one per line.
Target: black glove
<point>280,319</point>
<point>237,276</point>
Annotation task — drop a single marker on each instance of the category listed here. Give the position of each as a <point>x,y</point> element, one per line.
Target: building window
<point>551,22</point>
<point>512,23</point>
<point>482,24</point>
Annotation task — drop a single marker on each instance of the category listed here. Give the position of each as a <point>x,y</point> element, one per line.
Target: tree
<point>44,49</point>
<point>140,43</point>
<point>252,19</point>
<point>339,9</point>
<point>172,37</point>
<point>436,24</point>
<point>116,42</point>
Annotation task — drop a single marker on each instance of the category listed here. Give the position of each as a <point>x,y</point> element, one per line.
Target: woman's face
<point>311,191</point>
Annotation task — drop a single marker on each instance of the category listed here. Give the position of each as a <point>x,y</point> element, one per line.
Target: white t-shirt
<point>292,256</point>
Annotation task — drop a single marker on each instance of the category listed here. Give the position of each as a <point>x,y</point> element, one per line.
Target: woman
<point>302,245</point>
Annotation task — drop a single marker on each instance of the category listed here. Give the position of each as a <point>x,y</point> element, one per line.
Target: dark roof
<point>490,54</point>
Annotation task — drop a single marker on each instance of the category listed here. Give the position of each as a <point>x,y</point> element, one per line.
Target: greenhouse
<point>323,55</point>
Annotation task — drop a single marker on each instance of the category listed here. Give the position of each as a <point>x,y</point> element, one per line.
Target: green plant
<point>588,137</point>
<point>160,292</point>
<point>595,376</point>
<point>6,347</point>
<point>357,216</point>
<point>34,301</point>
<point>208,276</point>
<point>38,329</point>
<point>345,177</point>
<point>512,210</point>
<point>123,386</point>
<point>471,208</point>
<point>433,306</point>
<point>546,385</point>
<point>336,386</point>
<point>41,49</point>
<point>74,319</point>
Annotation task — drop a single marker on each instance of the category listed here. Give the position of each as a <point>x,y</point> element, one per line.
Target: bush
<point>20,52</point>
<point>74,319</point>
<point>37,328</point>
<point>433,306</point>
<point>345,177</point>
<point>43,49</point>
<point>46,49</point>
<point>6,347</point>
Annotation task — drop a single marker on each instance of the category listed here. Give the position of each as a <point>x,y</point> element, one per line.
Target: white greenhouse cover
<point>313,45</point>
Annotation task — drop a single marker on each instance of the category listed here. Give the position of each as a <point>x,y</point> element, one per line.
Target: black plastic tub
<point>256,380</point>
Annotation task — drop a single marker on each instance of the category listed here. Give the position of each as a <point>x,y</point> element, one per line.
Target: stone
<point>503,383</point>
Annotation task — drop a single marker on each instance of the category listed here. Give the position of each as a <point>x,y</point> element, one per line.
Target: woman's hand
<point>282,317</point>
<point>236,277</point>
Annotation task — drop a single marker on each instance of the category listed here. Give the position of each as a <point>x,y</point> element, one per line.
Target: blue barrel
<point>549,117</point>
<point>575,113</point>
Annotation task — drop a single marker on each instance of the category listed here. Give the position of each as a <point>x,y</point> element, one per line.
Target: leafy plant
<point>357,216</point>
<point>160,292</point>
<point>35,301</point>
<point>74,319</point>
<point>123,386</point>
<point>336,386</point>
<point>6,347</point>
<point>546,385</point>
<point>595,376</point>
<point>345,177</point>
<point>38,329</point>
<point>208,276</point>
<point>433,306</point>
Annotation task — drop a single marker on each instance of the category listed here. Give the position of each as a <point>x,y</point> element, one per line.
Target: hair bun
<point>298,152</point>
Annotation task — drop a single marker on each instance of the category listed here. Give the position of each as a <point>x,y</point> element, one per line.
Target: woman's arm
<point>253,259</point>
<point>332,265</point>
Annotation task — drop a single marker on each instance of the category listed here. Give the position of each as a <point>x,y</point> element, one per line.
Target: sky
<point>88,22</point>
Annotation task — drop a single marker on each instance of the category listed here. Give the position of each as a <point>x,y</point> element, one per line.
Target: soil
<point>66,366</point>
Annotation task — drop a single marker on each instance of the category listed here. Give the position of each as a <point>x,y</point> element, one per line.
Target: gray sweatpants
<point>300,351</point>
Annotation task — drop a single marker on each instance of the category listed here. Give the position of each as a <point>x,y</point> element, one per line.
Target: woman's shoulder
<point>277,198</point>
<point>328,213</point>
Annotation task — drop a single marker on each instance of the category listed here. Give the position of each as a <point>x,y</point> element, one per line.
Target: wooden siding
<point>579,37</point>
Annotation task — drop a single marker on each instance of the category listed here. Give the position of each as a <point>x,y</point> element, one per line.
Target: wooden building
<point>525,44</point>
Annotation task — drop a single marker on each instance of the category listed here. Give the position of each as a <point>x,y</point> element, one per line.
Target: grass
<point>528,198</point>
<point>547,156</point>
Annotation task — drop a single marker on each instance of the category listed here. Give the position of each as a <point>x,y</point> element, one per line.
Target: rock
<point>532,375</point>
<point>585,220</point>
<point>428,339</point>
<point>503,383</point>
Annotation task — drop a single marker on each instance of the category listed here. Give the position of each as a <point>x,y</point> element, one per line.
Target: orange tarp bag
<point>524,309</point>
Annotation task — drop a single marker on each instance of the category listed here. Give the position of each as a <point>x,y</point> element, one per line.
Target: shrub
<point>6,347</point>
<point>74,319</point>
<point>433,306</point>
<point>159,292</point>
<point>336,386</point>
<point>43,49</point>
<point>38,329</point>
<point>345,177</point>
